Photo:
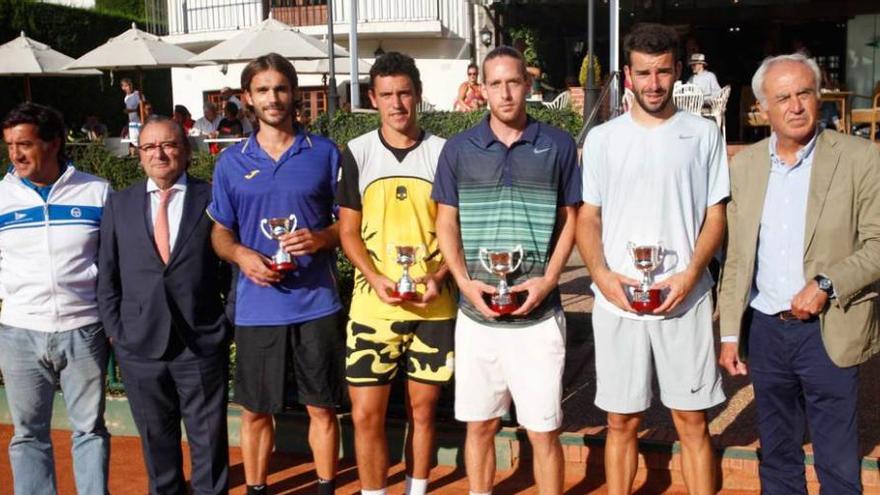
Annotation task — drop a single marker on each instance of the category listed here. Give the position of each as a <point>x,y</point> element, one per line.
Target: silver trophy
<point>647,258</point>
<point>276,228</point>
<point>405,256</point>
<point>501,263</point>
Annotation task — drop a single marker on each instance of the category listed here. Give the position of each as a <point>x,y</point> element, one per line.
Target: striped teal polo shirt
<point>506,197</point>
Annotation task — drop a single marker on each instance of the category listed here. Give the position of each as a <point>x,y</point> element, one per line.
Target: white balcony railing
<point>198,16</point>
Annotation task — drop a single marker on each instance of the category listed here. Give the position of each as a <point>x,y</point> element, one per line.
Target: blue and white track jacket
<point>49,250</point>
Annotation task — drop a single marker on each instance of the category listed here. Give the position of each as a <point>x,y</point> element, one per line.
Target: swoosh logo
<point>695,390</point>
<point>250,175</point>
<point>682,136</point>
<point>542,150</point>
<point>19,216</point>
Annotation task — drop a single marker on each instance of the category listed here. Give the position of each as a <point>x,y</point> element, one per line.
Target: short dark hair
<point>47,120</point>
<point>506,51</point>
<point>230,107</point>
<point>472,66</point>
<point>271,61</point>
<point>182,109</point>
<point>652,39</point>
<point>396,64</point>
<point>178,130</point>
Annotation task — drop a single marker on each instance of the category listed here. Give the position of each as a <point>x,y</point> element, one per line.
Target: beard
<point>653,109</point>
<point>276,119</point>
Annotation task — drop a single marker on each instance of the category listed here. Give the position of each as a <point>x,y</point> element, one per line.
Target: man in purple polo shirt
<point>281,171</point>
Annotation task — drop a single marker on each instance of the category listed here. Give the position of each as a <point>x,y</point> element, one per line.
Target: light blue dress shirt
<point>779,270</point>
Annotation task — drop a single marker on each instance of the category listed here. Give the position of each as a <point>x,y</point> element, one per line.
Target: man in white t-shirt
<point>654,176</point>
<point>132,100</point>
<point>207,125</point>
<point>703,77</point>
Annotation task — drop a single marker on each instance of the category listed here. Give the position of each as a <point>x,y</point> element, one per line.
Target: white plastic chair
<point>688,97</point>
<point>718,104</point>
<point>627,100</point>
<point>425,106</point>
<point>562,100</point>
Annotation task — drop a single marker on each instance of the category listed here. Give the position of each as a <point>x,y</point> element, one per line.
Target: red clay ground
<point>294,475</point>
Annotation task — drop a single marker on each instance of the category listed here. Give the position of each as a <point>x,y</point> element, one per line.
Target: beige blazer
<point>842,241</point>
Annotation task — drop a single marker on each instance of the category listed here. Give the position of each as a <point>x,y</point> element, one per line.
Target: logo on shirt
<point>684,136</point>
<point>19,216</point>
<point>400,193</point>
<point>542,150</point>
<point>250,175</point>
<point>76,212</point>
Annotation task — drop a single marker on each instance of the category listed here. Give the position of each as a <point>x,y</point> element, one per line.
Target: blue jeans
<point>33,363</point>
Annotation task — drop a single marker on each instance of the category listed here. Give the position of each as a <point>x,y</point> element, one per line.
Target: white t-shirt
<point>654,185</point>
<point>203,126</point>
<point>707,82</point>
<point>132,102</point>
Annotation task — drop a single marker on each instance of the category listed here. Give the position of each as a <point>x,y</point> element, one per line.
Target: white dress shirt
<point>175,207</point>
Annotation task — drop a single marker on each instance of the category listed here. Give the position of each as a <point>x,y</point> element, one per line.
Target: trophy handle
<point>517,249</point>
<point>263,228</point>
<point>292,222</point>
<point>484,253</point>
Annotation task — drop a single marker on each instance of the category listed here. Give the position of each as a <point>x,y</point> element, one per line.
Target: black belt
<point>787,315</point>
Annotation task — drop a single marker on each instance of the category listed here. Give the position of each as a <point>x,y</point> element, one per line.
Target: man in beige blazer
<point>798,291</point>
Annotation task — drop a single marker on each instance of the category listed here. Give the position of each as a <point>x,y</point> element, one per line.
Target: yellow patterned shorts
<point>376,349</point>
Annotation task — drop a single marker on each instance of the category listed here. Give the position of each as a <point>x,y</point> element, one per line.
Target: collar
<point>180,185</point>
<point>801,153</point>
<point>485,136</point>
<point>302,140</point>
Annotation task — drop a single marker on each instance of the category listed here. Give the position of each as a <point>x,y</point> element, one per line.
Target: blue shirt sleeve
<point>445,189</point>
<point>569,193</point>
<point>221,209</point>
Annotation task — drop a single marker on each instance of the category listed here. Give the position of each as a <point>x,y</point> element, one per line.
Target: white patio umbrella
<point>268,36</point>
<point>26,57</point>
<point>135,50</point>
<point>322,66</point>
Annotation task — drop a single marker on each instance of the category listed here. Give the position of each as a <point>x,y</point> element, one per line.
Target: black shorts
<point>317,352</point>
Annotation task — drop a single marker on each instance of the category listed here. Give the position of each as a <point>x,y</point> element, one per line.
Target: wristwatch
<point>825,285</point>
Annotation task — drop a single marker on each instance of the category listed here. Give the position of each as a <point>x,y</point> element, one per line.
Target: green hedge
<point>74,32</point>
<point>132,8</point>
<point>346,126</point>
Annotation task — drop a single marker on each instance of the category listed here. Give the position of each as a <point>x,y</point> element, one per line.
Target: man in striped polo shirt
<point>508,182</point>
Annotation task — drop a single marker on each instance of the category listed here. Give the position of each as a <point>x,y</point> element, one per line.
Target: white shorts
<point>683,352</point>
<point>494,365</point>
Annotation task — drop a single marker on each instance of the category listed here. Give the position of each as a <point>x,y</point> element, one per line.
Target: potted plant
<point>525,39</point>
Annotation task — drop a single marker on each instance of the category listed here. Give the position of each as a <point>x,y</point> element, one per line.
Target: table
<point>841,98</point>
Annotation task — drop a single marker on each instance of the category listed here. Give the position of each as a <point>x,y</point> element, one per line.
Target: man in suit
<point>159,298</point>
<point>799,285</point>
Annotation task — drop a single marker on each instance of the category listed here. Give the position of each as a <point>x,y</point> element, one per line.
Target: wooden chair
<point>869,116</point>
<point>688,97</point>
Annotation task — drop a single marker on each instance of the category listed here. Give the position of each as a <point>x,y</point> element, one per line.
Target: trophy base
<point>504,309</point>
<point>646,301</point>
<point>287,266</point>
<point>406,296</point>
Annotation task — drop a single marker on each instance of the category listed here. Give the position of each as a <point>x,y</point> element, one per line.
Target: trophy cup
<point>647,259</point>
<point>406,286</point>
<point>501,263</point>
<point>275,228</point>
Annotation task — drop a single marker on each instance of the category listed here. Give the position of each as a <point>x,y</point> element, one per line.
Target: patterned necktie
<point>161,234</point>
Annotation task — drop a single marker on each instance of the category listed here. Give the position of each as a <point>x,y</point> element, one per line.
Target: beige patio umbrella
<point>26,57</point>
<point>268,36</point>
<point>135,50</point>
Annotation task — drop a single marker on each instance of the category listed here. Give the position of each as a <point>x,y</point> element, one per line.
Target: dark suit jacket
<point>141,300</point>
